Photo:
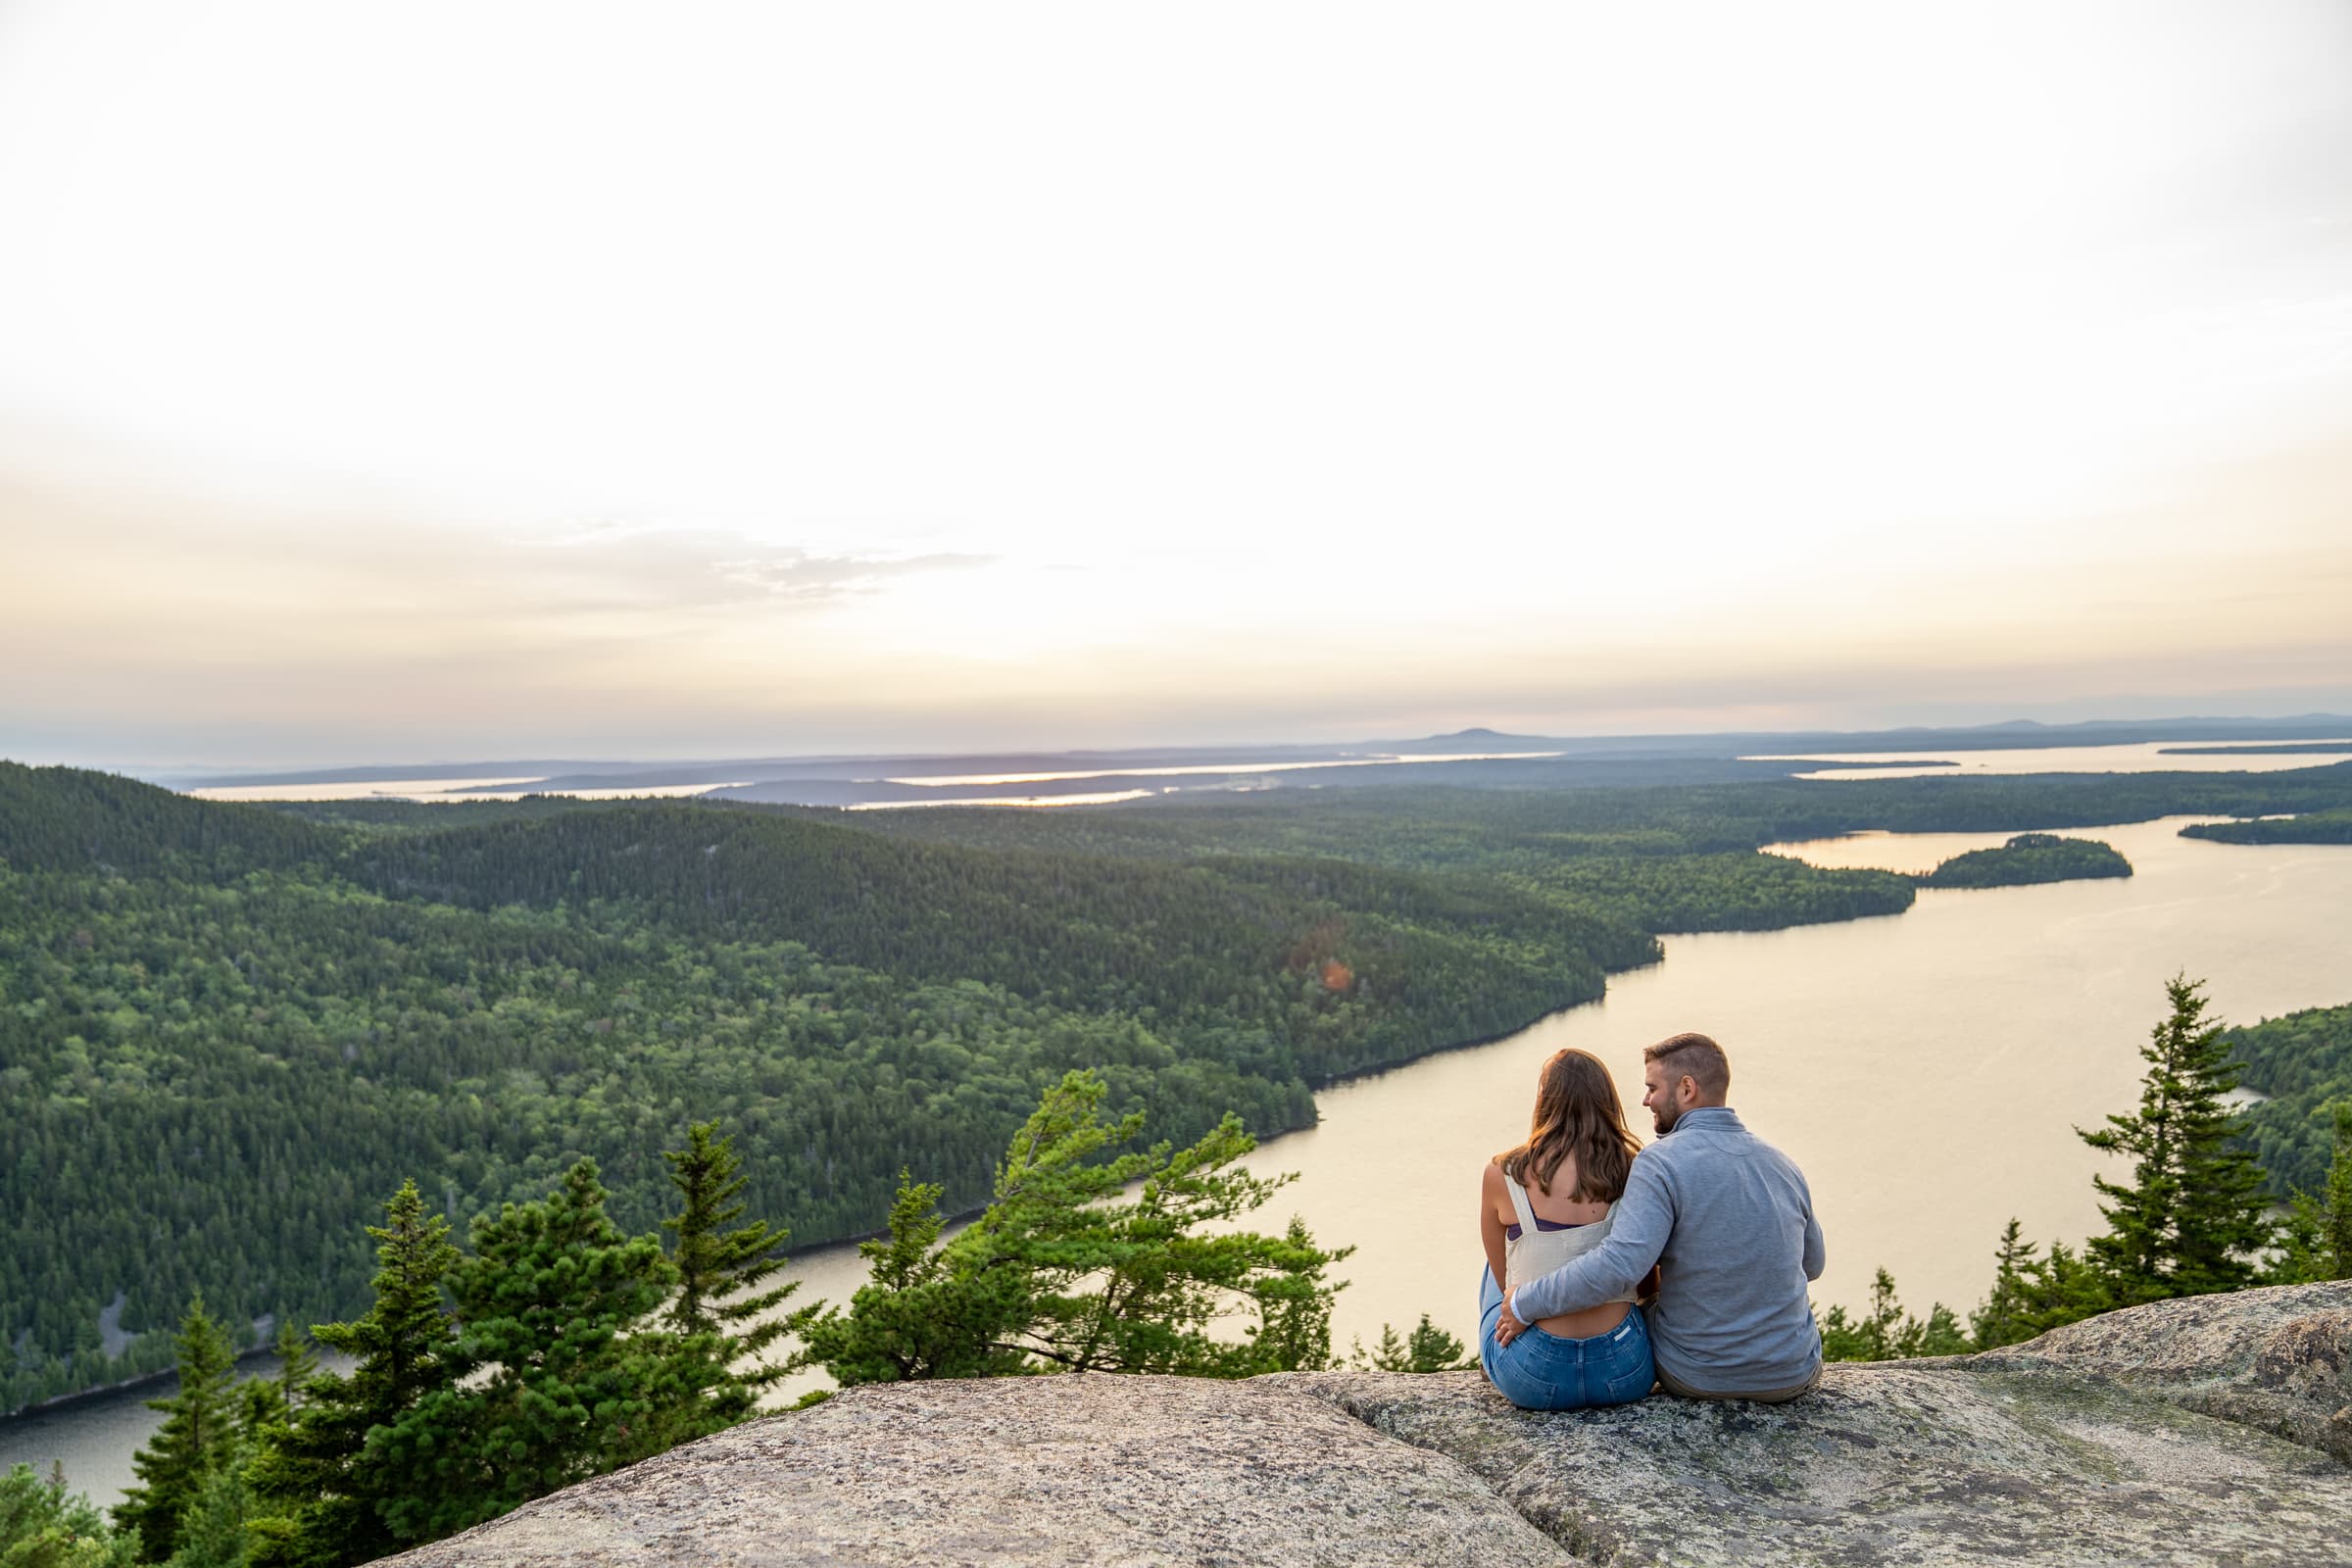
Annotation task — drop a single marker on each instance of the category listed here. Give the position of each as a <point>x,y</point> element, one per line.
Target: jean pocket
<point>1633,1377</point>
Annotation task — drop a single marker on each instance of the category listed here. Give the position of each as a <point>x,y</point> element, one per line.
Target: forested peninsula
<point>2030,857</point>
<point>2311,827</point>
<point>228,1031</point>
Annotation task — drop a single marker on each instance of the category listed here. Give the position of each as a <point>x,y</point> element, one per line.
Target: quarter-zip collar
<point>1722,1118</point>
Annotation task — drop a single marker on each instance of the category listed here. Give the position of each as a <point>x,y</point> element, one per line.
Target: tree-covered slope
<point>56,818</point>
<point>1431,955</point>
<point>222,1043</point>
<point>227,1032</point>
<point>1429,827</point>
<point>2312,827</point>
<point>2301,1061</point>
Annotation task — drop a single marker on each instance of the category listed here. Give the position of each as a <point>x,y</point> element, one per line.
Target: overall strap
<point>1526,1215</point>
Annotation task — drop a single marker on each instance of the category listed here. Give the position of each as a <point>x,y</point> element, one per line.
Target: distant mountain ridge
<point>1719,746</point>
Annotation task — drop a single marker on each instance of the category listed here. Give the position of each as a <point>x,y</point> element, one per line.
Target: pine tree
<point>198,1436</point>
<point>556,1382</point>
<point>1293,1333</point>
<point>1940,1334</point>
<point>2192,1221</point>
<point>2063,1286</point>
<point>260,1406</point>
<point>2317,1239</point>
<point>1427,1348</point>
<point>1888,1333</point>
<point>1066,1271</point>
<point>320,1494</point>
<point>1869,1339</point>
<point>297,1365</point>
<point>721,1271</point>
<point>213,1531</point>
<point>2003,1319</point>
<point>45,1526</point>
<point>914,1317</point>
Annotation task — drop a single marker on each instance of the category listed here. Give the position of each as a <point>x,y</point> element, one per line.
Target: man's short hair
<point>1699,1057</point>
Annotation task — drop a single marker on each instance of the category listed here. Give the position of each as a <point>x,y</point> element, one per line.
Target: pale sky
<point>466,380</point>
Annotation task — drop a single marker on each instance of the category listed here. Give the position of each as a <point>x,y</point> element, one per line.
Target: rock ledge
<point>2187,1431</point>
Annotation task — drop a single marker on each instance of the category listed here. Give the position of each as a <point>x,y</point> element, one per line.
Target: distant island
<point>2029,857</point>
<point>2312,827</point>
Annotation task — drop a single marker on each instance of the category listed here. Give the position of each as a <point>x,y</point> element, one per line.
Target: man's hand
<point>1507,1327</point>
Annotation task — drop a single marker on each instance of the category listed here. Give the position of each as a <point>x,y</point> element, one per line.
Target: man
<point>1729,1222</point>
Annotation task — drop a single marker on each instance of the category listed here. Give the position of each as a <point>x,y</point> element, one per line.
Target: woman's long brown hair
<point>1577,1111</point>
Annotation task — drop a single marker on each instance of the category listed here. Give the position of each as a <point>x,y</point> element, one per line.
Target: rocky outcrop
<point>1054,1470</point>
<point>2190,1432</point>
<point>2277,1359</point>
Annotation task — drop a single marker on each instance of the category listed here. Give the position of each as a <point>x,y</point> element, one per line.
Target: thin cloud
<point>799,578</point>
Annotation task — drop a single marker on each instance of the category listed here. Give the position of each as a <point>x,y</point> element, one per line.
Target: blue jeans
<point>1539,1371</point>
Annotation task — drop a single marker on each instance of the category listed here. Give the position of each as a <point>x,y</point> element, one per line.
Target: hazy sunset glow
<point>543,381</point>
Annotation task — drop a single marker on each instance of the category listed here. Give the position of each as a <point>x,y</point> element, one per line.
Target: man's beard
<point>1665,1116</point>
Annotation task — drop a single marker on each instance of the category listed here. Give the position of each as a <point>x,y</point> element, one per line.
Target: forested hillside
<point>1507,829</point>
<point>2312,827</point>
<point>2302,1061</point>
<point>227,1032</point>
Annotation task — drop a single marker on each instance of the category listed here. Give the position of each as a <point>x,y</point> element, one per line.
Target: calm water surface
<point>2143,757</point>
<point>1926,1069</point>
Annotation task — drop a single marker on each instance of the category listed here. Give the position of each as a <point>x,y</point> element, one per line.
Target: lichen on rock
<point>1051,1470</point>
<point>2276,1360</point>
<point>2185,1431</point>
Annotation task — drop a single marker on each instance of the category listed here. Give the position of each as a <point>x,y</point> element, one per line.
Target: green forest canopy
<point>2311,827</point>
<point>227,1031</point>
<point>2029,857</point>
<point>2300,1061</point>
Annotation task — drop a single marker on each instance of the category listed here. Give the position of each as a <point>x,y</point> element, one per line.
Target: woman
<point>1543,1202</point>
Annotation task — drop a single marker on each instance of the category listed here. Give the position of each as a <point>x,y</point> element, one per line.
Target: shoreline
<point>1316,1087</point>
<point>57,1402</point>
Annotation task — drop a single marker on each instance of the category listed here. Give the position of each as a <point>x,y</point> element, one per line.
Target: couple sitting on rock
<point>1709,1230</point>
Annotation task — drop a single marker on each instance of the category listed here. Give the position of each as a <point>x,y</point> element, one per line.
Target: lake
<point>2140,757</point>
<point>1926,1069</point>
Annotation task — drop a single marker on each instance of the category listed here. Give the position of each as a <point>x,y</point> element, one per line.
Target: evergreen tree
<point>1427,1348</point>
<point>1888,1332</point>
<point>260,1406</point>
<point>2003,1319</point>
<point>1066,1271</point>
<point>720,1270</point>
<point>2191,1220</point>
<point>2064,1287</point>
<point>2317,1239</point>
<point>211,1532</point>
<point>321,1494</point>
<point>1869,1339</point>
<point>1293,1333</point>
<point>43,1526</point>
<point>199,1435</point>
<point>297,1365</point>
<point>555,1382</point>
<point>1939,1335</point>
<point>1121,1284</point>
<point>915,1317</point>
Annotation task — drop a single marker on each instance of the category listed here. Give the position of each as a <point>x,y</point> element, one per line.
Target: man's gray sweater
<point>1729,1221</point>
